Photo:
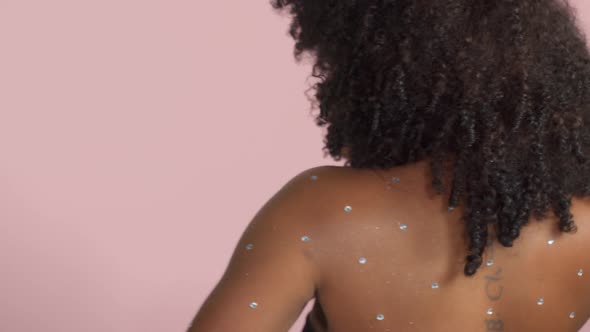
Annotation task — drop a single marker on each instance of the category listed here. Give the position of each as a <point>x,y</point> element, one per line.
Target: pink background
<point>137,140</point>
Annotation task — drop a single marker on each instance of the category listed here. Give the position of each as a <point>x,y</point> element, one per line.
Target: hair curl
<point>498,87</point>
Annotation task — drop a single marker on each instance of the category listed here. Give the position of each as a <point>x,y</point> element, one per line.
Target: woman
<point>465,126</point>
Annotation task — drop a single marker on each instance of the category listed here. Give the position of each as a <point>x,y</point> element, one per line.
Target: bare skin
<point>412,274</point>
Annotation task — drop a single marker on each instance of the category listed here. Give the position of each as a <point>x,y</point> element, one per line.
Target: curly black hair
<point>500,88</point>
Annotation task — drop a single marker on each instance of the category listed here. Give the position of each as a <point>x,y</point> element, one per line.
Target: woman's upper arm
<point>269,279</point>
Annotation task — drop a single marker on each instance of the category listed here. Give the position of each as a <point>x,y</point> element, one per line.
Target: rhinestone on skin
<point>434,285</point>
<point>395,179</point>
<point>580,272</point>
<point>572,314</point>
<point>403,227</point>
<point>490,262</point>
<point>253,305</point>
<point>540,301</point>
<point>362,260</point>
<point>314,177</point>
<point>490,311</point>
<point>347,208</point>
<point>305,238</point>
<point>380,317</point>
<point>249,246</point>
<point>550,242</point>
